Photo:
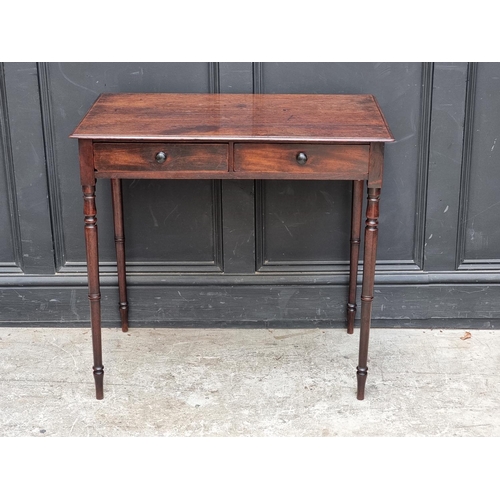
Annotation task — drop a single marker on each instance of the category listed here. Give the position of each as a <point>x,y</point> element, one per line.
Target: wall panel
<point>481,208</point>
<point>10,245</point>
<point>182,220</point>
<point>403,92</point>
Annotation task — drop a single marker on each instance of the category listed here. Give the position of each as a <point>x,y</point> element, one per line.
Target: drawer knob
<point>161,157</point>
<point>301,158</point>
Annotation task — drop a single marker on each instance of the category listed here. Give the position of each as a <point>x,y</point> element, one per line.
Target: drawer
<point>166,157</point>
<point>338,161</point>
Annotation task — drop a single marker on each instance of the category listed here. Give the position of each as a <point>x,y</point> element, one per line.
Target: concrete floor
<point>223,382</point>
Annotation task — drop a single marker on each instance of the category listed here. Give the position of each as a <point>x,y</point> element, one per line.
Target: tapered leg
<point>90,218</point>
<point>116,196</point>
<point>357,206</point>
<point>370,252</point>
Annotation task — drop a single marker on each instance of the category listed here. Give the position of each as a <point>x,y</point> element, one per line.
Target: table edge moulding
<point>233,136</point>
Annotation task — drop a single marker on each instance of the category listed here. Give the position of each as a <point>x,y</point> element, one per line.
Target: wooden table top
<point>235,117</point>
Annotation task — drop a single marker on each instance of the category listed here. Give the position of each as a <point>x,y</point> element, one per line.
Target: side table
<point>233,136</point>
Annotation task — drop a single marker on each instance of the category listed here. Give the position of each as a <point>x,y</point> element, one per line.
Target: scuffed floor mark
<point>74,83</point>
<point>72,304</point>
<point>283,222</point>
<point>299,334</point>
<point>155,221</point>
<point>64,350</point>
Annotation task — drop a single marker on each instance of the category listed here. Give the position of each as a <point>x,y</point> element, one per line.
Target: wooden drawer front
<point>115,157</point>
<point>338,161</point>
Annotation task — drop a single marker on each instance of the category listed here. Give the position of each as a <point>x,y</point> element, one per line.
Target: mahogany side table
<point>233,136</point>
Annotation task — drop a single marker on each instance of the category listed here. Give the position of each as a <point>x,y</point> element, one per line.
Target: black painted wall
<point>264,253</point>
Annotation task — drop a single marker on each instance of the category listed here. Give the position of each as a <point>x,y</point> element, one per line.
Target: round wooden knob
<point>161,157</point>
<point>301,158</point>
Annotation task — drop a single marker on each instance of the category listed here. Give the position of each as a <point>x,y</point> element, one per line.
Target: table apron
<point>330,176</point>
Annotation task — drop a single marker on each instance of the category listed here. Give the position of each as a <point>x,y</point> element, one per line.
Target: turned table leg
<point>90,218</point>
<point>370,251</point>
<point>357,206</point>
<point>116,196</point>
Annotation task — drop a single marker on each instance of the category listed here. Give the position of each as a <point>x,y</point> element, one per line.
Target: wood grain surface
<point>226,117</point>
<point>345,161</point>
<point>179,157</point>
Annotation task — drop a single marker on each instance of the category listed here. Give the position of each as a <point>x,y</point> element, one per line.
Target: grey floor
<point>229,382</point>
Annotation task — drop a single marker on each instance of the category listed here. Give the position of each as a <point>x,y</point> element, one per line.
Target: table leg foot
<point>361,374</point>
<point>124,316</point>
<point>99,381</point>
<point>351,316</point>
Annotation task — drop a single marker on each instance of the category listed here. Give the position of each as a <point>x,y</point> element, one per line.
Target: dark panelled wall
<point>263,253</point>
